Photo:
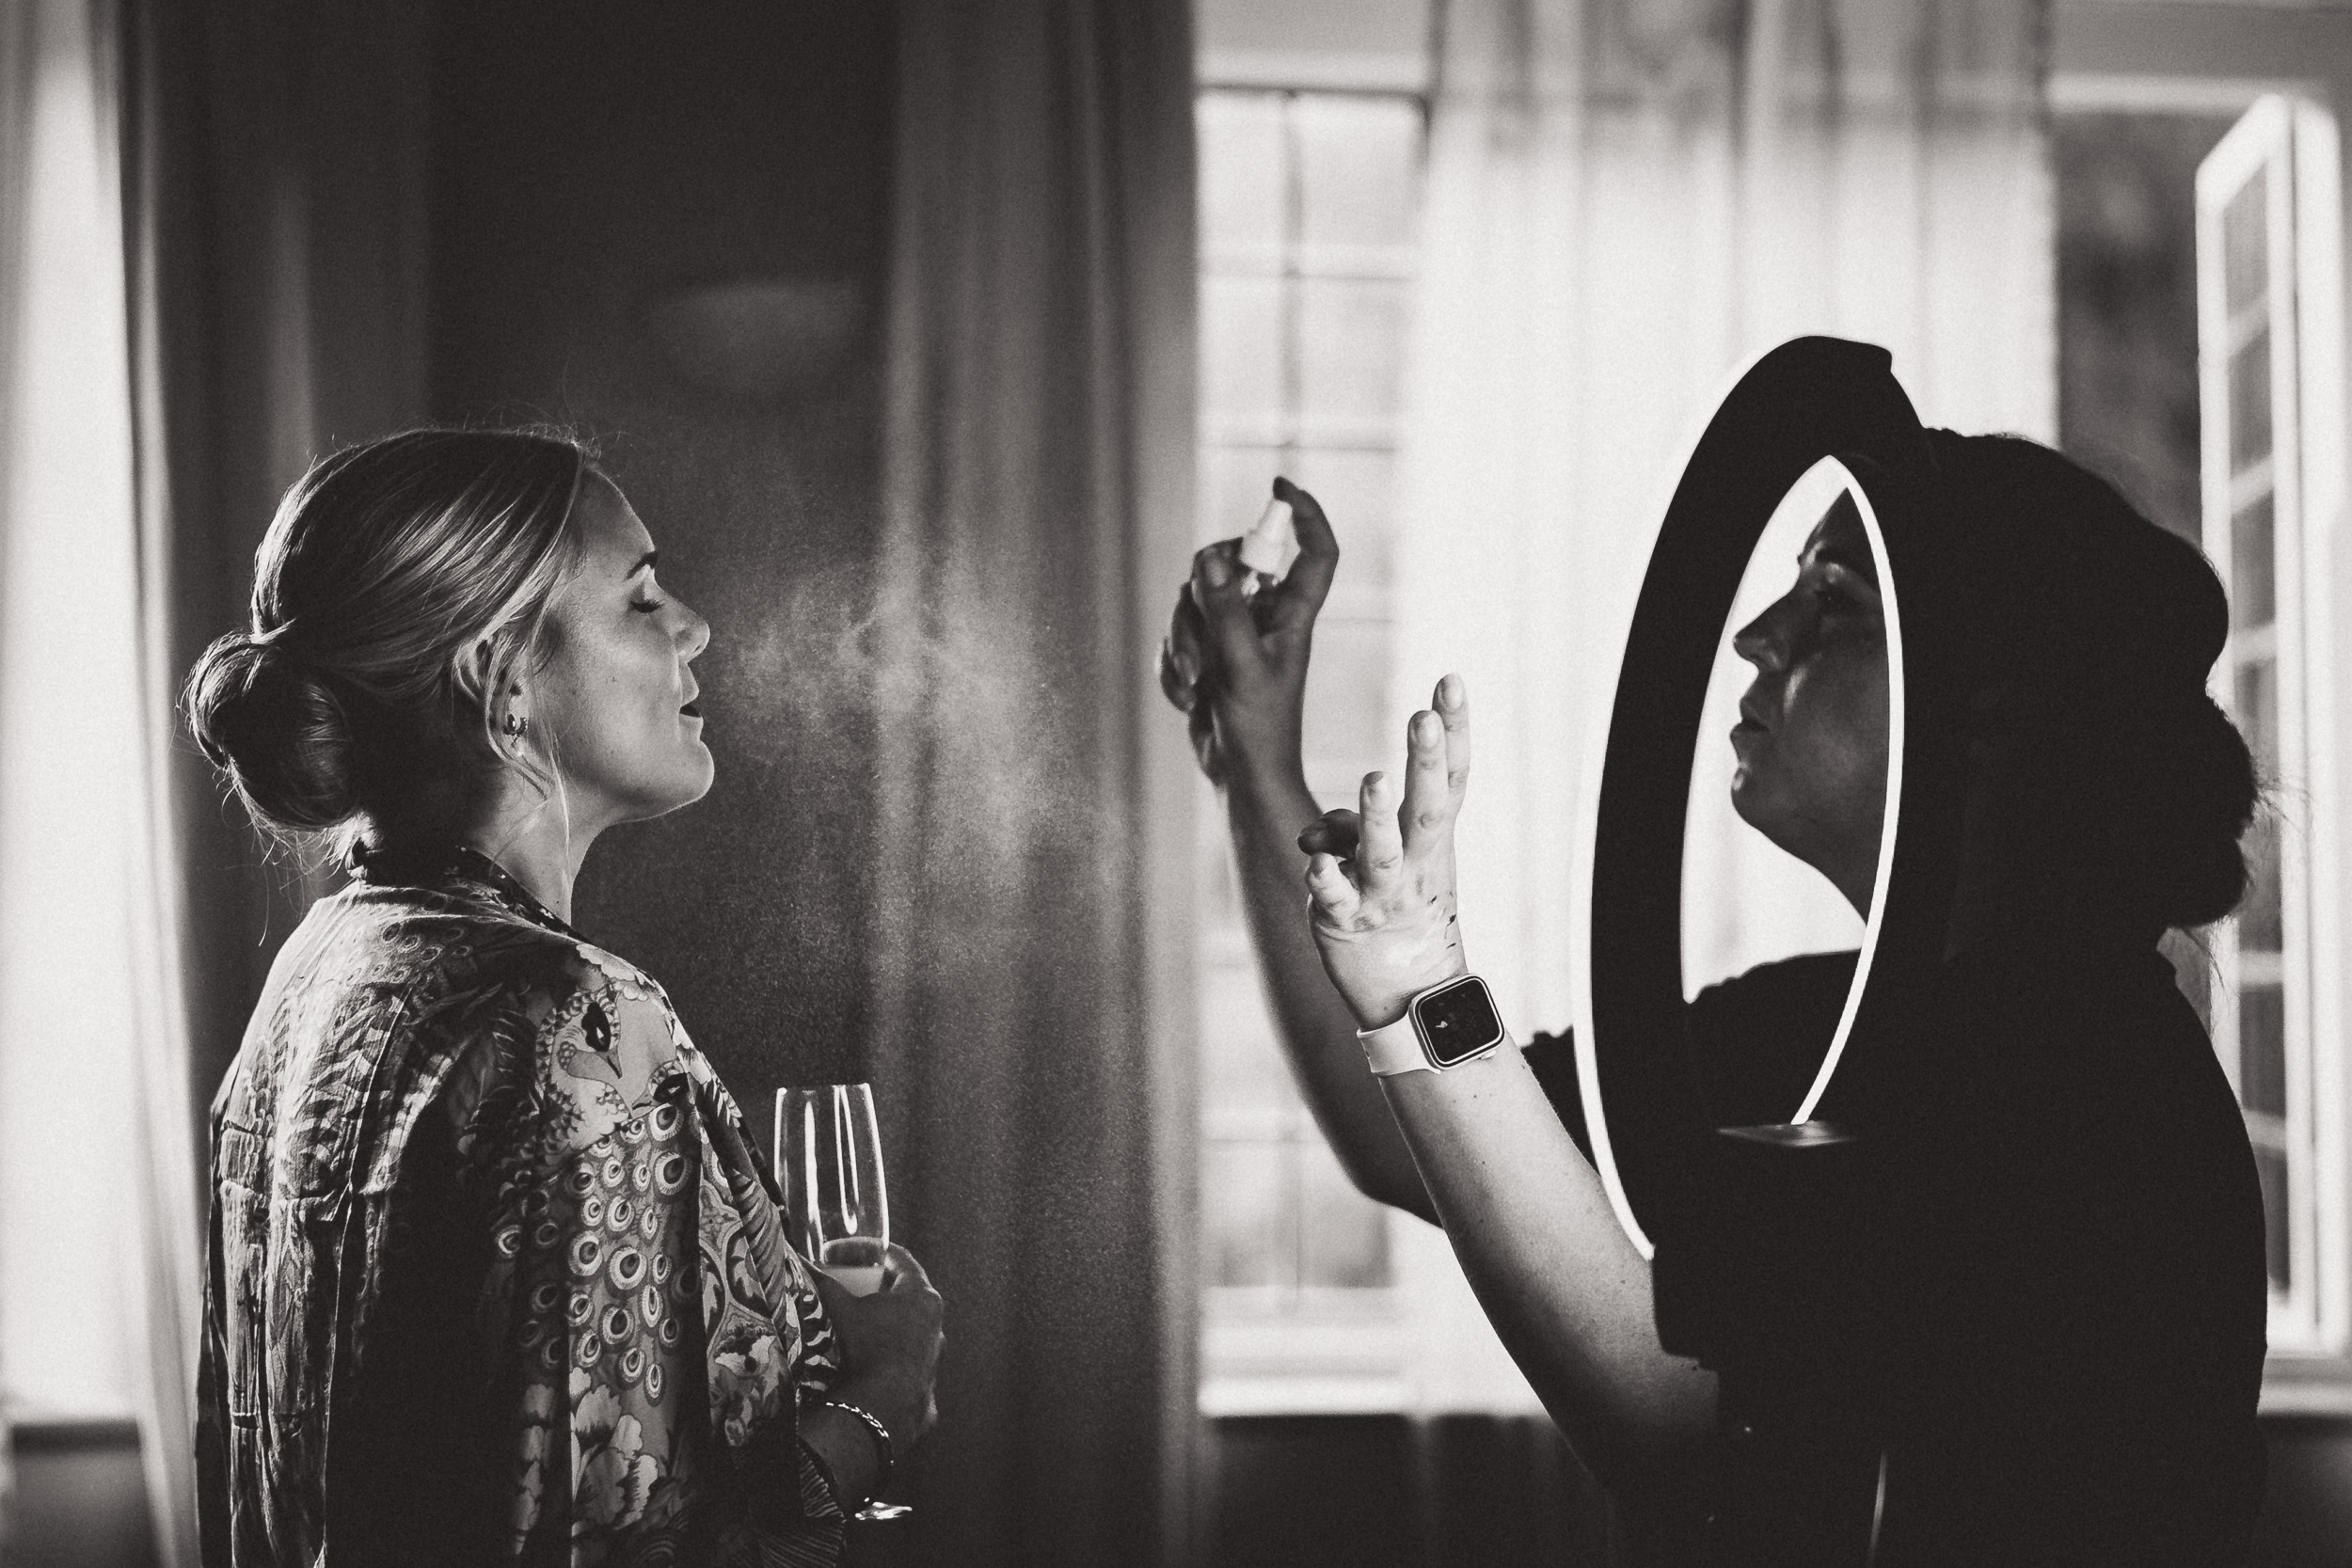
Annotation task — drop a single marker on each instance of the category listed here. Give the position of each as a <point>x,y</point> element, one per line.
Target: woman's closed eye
<point>1837,590</point>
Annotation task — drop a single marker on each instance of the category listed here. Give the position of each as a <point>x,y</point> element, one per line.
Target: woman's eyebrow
<point>1840,552</point>
<point>645,563</point>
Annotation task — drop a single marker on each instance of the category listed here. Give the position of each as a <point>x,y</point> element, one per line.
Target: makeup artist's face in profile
<point>1812,736</point>
<point>616,694</point>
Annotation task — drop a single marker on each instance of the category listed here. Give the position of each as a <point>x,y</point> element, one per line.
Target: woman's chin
<point>688,785</point>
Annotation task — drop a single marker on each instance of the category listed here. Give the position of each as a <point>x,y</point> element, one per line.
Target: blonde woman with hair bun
<point>495,1274</point>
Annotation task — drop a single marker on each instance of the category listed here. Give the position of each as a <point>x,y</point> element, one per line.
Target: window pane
<point>2262,1049</point>
<point>1214,881</point>
<point>1357,490</point>
<point>1347,690</point>
<point>2245,245</point>
<point>1351,348</point>
<point>2249,403</point>
<point>1241,355</point>
<point>1236,482</point>
<point>2259,928</point>
<point>1357,159</point>
<point>2253,565</point>
<point>1251,1212</point>
<point>2257,713</point>
<point>1243,195</point>
<point>2272,1168</point>
<point>1242,1067</point>
<point>1345,1236</point>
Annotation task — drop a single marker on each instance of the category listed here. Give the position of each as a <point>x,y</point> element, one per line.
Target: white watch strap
<point>1395,1048</point>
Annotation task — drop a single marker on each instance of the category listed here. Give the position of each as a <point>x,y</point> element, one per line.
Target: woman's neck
<point>540,841</point>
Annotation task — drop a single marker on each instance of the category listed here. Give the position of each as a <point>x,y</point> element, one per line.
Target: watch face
<point>1459,1021</point>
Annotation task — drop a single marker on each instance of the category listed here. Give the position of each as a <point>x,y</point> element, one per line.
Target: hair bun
<point>277,728</point>
<point>2205,794</point>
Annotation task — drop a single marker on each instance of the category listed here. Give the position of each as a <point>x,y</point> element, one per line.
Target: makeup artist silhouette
<point>2021,1319</point>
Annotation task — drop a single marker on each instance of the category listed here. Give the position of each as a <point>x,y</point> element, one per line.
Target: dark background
<point>590,162</point>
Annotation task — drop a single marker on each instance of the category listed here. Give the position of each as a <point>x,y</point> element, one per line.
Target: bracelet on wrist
<point>885,1454</point>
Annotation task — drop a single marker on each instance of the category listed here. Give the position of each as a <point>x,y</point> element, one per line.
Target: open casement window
<point>2271,365</point>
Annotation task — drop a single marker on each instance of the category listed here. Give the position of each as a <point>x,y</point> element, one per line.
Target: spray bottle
<point>1269,547</point>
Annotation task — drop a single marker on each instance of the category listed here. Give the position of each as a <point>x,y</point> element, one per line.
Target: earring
<point>515,725</point>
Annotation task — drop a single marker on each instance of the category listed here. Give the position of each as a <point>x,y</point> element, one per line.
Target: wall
<point>591,164</point>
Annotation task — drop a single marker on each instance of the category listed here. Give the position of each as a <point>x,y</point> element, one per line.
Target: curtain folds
<point>1625,200</point>
<point>100,1192</point>
<point>16,106</point>
<point>1033,1010</point>
<point>164,1109</point>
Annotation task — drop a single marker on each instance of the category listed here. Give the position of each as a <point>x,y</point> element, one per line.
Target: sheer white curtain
<point>98,1212</point>
<point>1626,199</point>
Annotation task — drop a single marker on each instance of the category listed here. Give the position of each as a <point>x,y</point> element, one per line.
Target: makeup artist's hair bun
<point>400,586</point>
<point>2118,762</point>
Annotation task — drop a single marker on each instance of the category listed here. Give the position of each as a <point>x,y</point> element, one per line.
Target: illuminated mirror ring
<point>1811,404</point>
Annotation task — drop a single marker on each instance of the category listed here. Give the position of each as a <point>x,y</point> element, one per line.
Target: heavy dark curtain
<point>270,169</point>
<point>274,219</point>
<point>1033,1014</point>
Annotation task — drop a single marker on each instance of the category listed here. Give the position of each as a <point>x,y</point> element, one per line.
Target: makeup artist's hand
<point>1380,880</point>
<point>1236,665</point>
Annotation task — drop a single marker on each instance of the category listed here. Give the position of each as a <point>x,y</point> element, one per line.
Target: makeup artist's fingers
<point>1231,633</point>
<point>1186,635</point>
<point>1173,686</point>
<point>1333,833</point>
<point>1309,581</point>
<point>1452,702</point>
<point>1379,845</point>
<point>1200,726</point>
<point>1427,816</point>
<point>1333,897</point>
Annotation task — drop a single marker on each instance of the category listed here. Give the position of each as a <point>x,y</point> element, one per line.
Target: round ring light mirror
<point>1815,434</point>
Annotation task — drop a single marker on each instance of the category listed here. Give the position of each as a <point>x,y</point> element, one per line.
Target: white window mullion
<point>2282,156</point>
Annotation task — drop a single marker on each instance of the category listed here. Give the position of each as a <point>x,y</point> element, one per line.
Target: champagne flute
<point>828,1155</point>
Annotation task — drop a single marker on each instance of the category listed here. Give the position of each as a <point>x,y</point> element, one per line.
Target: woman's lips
<point>692,711</point>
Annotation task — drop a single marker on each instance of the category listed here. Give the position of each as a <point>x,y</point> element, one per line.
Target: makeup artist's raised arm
<point>1566,1292</point>
<point>1238,670</point>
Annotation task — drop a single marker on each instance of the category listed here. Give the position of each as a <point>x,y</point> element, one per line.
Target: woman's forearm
<point>1264,809</point>
<point>1562,1286</point>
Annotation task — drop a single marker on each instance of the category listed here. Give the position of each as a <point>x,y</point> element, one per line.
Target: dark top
<point>2034,1285</point>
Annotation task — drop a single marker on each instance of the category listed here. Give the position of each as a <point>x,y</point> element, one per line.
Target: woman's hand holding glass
<point>1380,879</point>
<point>890,1339</point>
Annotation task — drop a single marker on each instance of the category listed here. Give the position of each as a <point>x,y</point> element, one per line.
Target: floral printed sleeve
<point>657,1333</point>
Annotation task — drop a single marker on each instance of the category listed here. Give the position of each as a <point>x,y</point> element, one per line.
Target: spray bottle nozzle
<point>1270,545</point>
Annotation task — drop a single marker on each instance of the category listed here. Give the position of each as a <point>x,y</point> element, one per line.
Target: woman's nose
<point>1764,641</point>
<point>697,635</point>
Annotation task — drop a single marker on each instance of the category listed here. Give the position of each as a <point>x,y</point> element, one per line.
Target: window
<point>1308,205</point>
<point>69,704</point>
<point>1312,124</point>
<point>2270,369</point>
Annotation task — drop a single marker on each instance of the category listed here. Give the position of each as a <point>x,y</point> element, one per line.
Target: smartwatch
<point>1452,1022</point>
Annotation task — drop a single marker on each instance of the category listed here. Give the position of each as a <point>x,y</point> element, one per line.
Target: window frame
<point>2221,58</point>
<point>1420,1343</point>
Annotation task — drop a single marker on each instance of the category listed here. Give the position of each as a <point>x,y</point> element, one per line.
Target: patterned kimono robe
<point>495,1275</point>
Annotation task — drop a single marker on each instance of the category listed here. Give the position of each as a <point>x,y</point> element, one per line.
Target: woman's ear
<point>473,675</point>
